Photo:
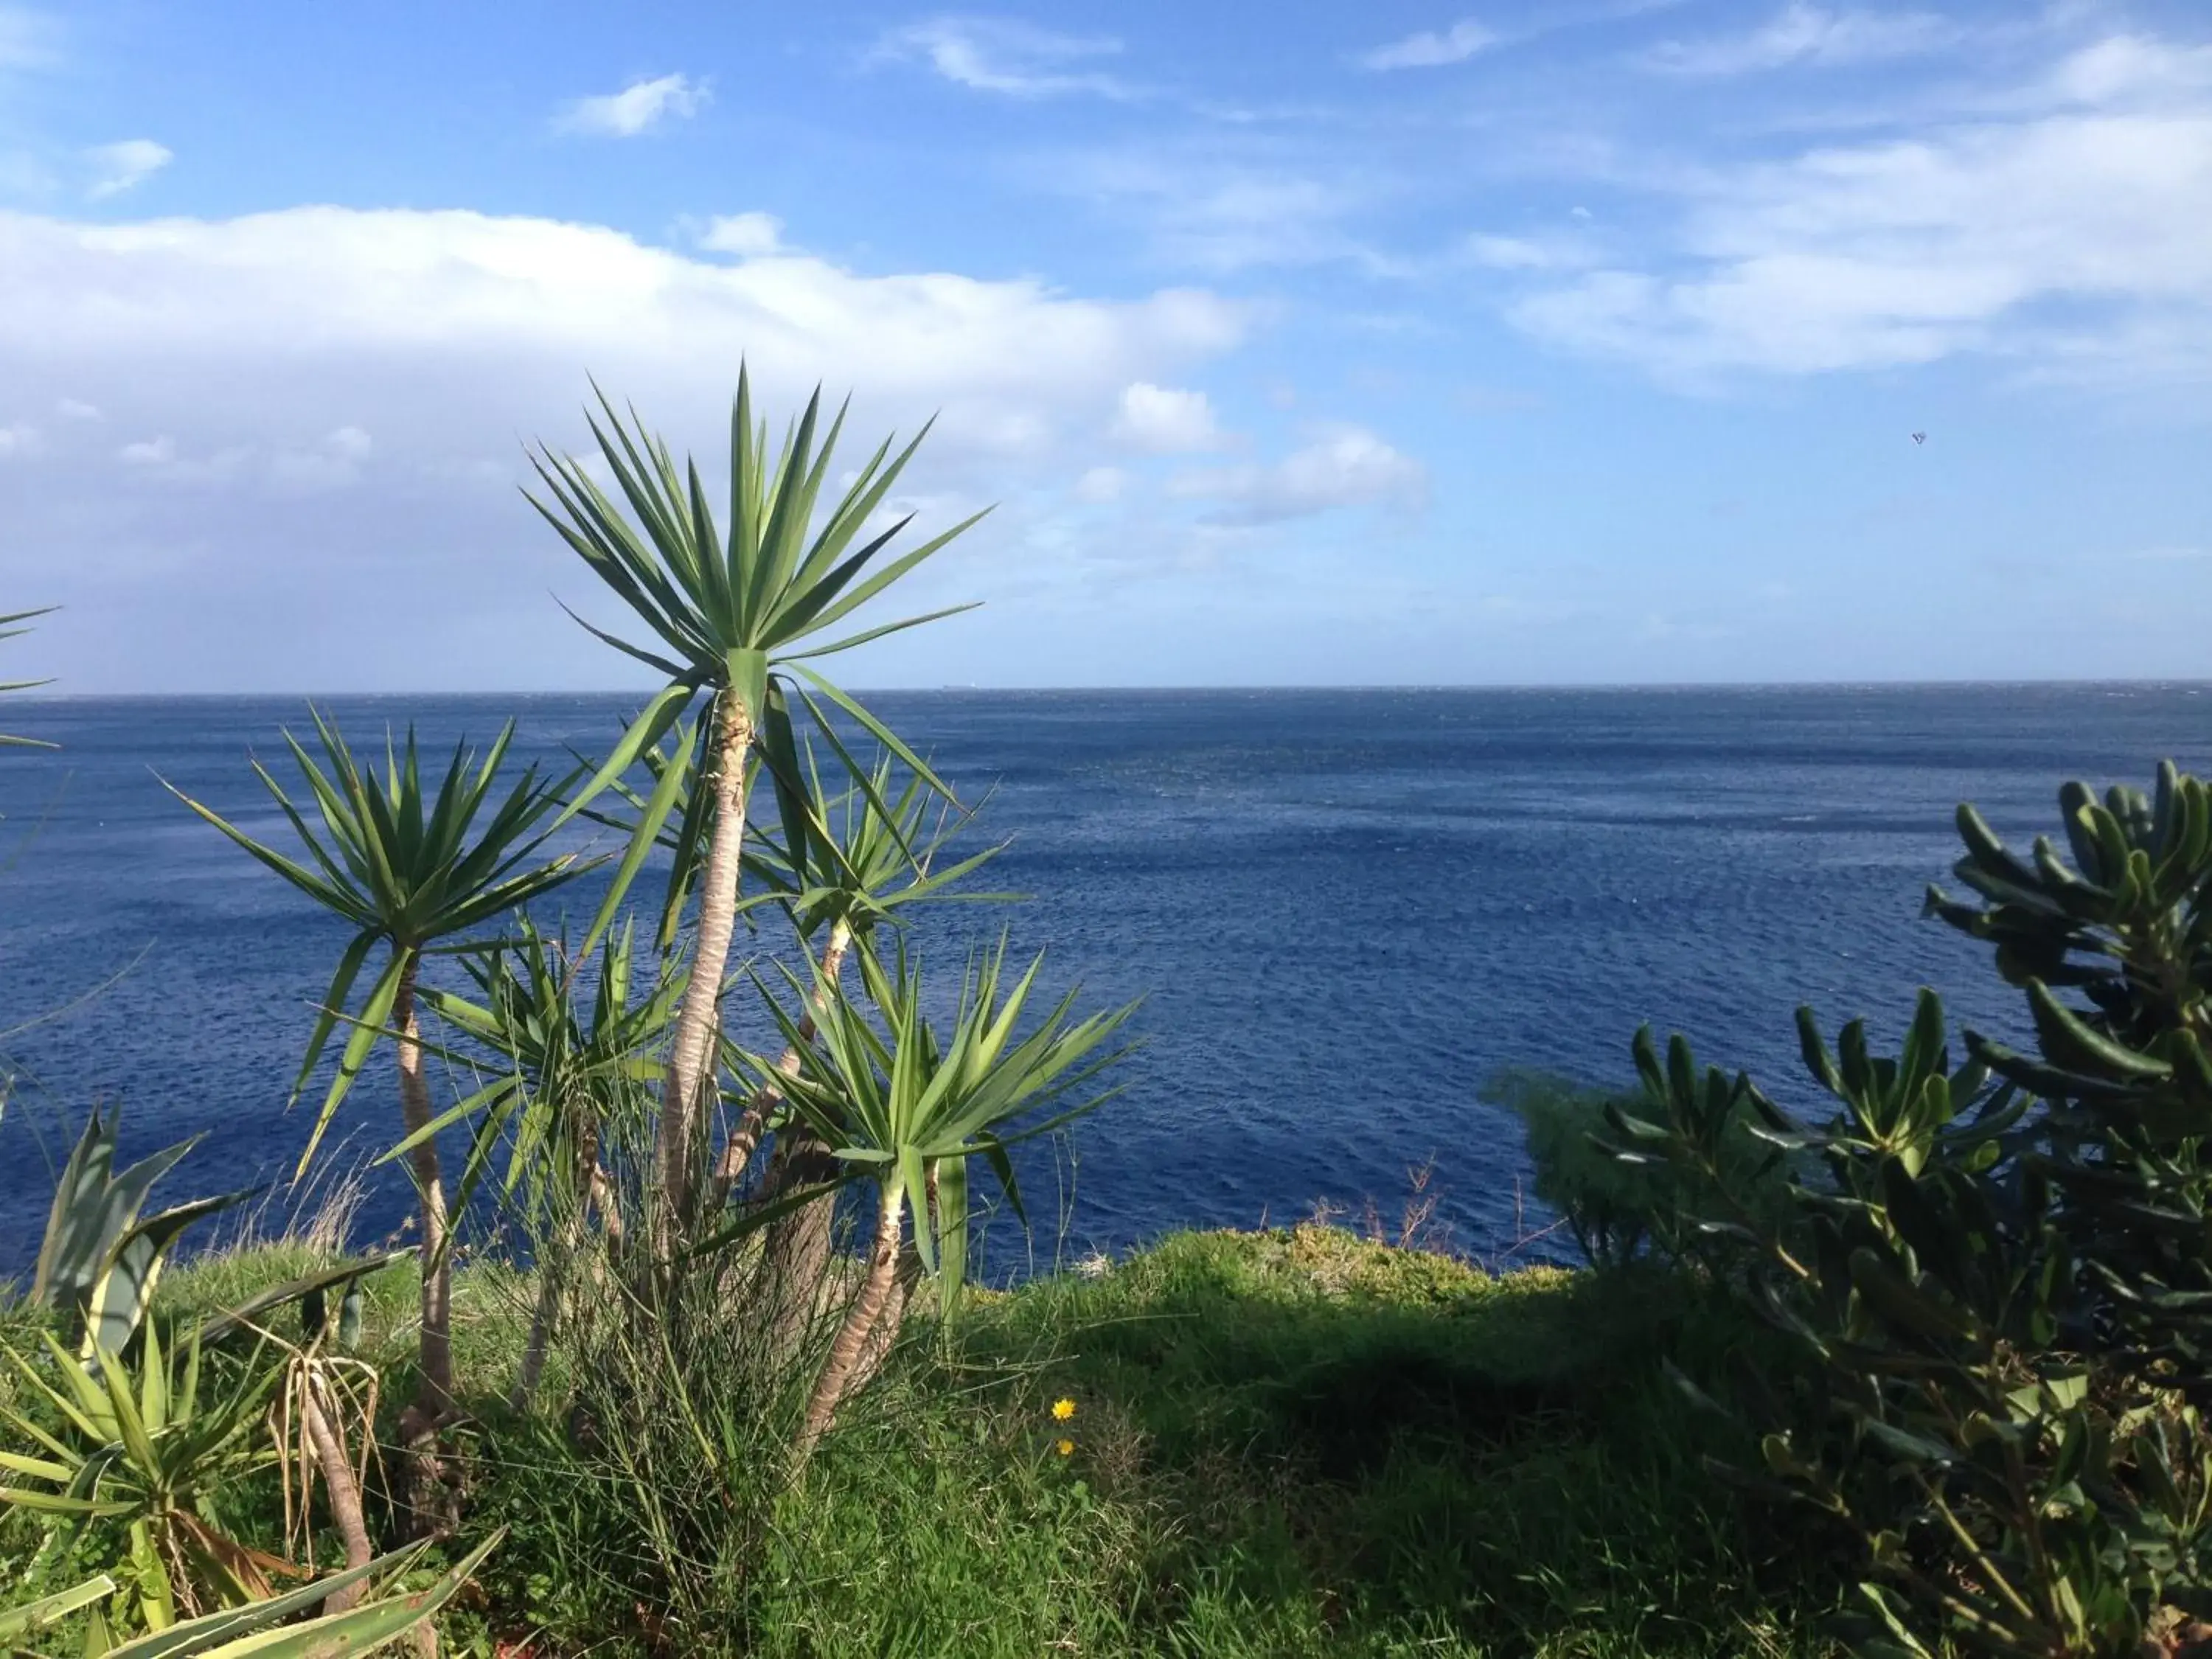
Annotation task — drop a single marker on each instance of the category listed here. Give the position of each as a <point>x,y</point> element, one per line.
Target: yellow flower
<point>1065,1447</point>
<point>1063,1410</point>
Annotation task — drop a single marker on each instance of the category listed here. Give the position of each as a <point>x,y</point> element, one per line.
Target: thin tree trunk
<point>889,1322</point>
<point>738,1151</point>
<point>344,1491</point>
<point>692,1067</point>
<point>795,1257</point>
<point>847,1352</point>
<point>421,1477</point>
<point>434,1392</point>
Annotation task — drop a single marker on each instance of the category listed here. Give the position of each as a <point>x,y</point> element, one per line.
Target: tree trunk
<point>691,1067</point>
<point>738,1151</point>
<point>431,1508</point>
<point>841,1371</point>
<point>434,1396</point>
<point>344,1491</point>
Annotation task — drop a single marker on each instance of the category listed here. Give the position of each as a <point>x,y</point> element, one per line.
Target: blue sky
<point>1389,343</point>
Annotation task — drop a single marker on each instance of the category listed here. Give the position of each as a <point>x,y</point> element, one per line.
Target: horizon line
<point>2145,681</point>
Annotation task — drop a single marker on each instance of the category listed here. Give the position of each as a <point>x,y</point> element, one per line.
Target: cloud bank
<point>319,414</point>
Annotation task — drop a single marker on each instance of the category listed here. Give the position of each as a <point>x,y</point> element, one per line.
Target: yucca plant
<point>151,1451</point>
<point>907,1107</point>
<point>737,610</point>
<point>853,869</point>
<point>415,869</point>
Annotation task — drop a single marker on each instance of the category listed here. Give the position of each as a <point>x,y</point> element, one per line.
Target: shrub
<point>1998,1276</point>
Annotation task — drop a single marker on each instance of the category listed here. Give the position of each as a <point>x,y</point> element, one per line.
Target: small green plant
<point>1621,1209</point>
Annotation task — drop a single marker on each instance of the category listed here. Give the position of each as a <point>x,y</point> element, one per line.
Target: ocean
<point>1344,910</point>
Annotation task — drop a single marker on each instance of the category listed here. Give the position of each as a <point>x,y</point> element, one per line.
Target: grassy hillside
<point>1284,1443</point>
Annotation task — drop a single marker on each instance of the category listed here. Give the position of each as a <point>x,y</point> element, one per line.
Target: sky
<point>1409,341</point>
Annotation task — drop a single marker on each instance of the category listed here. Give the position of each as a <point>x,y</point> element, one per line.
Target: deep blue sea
<point>1344,910</point>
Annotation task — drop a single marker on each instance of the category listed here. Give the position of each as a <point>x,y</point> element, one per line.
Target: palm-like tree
<point>903,1104</point>
<point>737,612</point>
<point>411,869</point>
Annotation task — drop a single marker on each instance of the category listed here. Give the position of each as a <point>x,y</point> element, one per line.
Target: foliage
<point>911,1106</point>
<point>1999,1274</point>
<point>561,1070</point>
<point>99,1258</point>
<point>1617,1209</point>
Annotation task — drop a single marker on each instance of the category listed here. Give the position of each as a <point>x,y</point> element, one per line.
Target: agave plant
<point>410,868</point>
<point>909,1107</point>
<point>385,1617</point>
<point>149,1451</point>
<point>99,1258</point>
<point>737,612</point>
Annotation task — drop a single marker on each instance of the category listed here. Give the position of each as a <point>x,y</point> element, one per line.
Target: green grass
<point>1289,1442</point>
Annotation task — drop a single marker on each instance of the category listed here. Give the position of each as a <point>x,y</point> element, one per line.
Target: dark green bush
<point>1997,1276</point>
<point>1619,1209</point>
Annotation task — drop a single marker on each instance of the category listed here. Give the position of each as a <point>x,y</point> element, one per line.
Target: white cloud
<point>1165,420</point>
<point>118,167</point>
<point>638,108</point>
<point>747,235</point>
<point>2063,233</point>
<point>1344,466</point>
<point>1101,485</point>
<point>18,438</point>
<point>1432,48</point>
<point>72,409</point>
<point>1802,33</point>
<point>1015,59</point>
<point>2127,67</point>
<point>247,364</point>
